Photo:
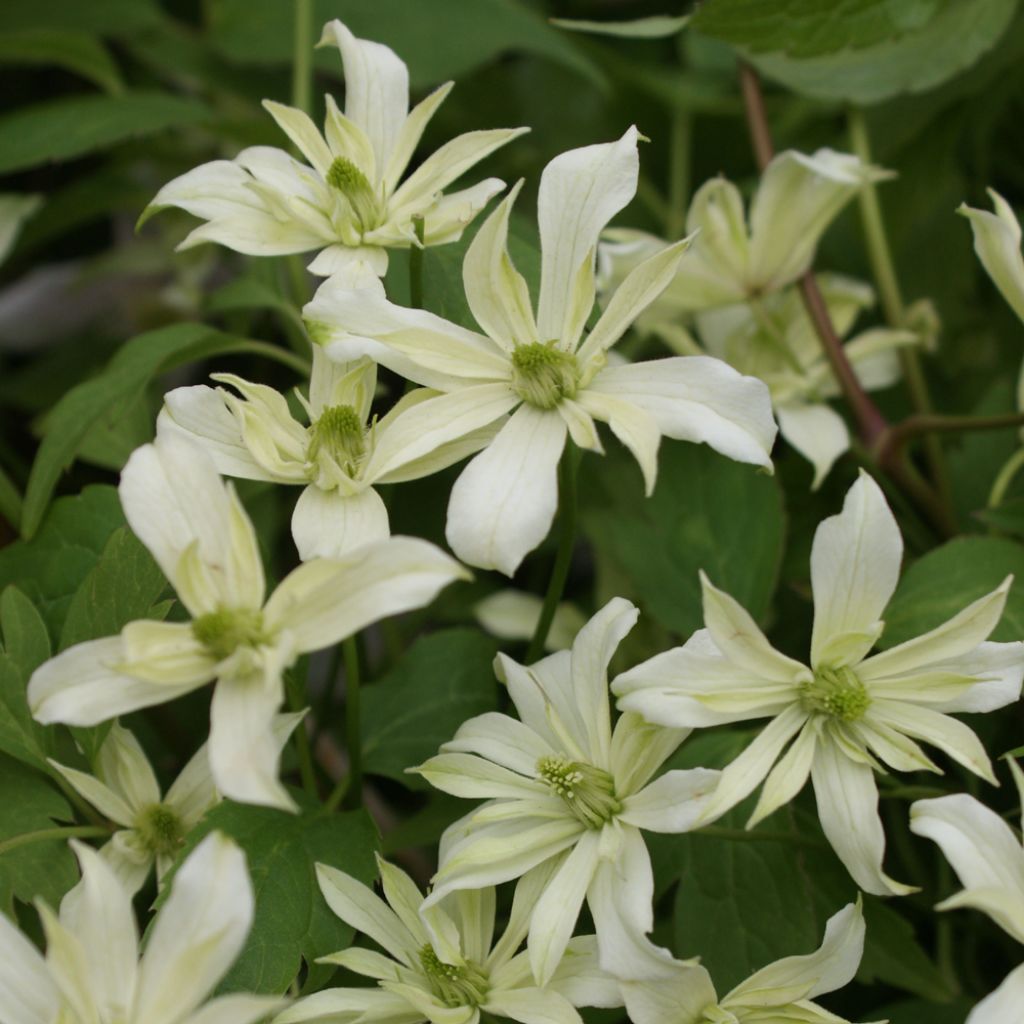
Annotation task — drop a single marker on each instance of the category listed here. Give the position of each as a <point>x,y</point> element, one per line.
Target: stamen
<point>542,375</point>
<point>589,791</point>
<point>161,829</point>
<point>454,984</point>
<point>837,692</point>
<point>338,433</point>
<point>226,630</point>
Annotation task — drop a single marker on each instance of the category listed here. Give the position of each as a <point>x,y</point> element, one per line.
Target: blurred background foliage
<point>103,102</point>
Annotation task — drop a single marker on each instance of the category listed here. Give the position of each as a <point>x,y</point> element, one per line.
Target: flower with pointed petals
<point>566,791</point>
<point>557,381</point>
<point>780,993</point>
<point>733,260</point>
<point>988,858</point>
<point>774,340</point>
<point>442,962</point>
<point>338,458</point>
<point>92,973</point>
<point>195,527</point>
<point>847,713</point>
<point>349,201</point>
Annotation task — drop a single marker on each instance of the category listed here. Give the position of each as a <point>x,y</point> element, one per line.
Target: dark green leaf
<point>26,645</point>
<point>79,52</point>
<point>1006,518</point>
<point>107,17</point>
<point>67,128</point>
<point>444,679</point>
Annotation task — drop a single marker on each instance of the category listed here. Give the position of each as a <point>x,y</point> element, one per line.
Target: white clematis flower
<point>349,201</point>
<point>195,527</point>
<point>568,795</point>
<point>557,381</point>
<point>442,963</point>
<point>733,260</point>
<point>988,858</point>
<point>773,339</point>
<point>780,993</point>
<point>846,713</point>
<point>92,973</point>
<point>338,458</point>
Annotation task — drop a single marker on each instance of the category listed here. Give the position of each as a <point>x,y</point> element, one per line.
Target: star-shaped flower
<point>442,963</point>
<point>195,527</point>
<point>93,974</point>
<point>557,381</point>
<point>349,202</point>
<point>847,713</point>
<point>568,794</point>
<point>337,458</point>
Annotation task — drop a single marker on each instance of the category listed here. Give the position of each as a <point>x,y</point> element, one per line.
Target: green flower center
<point>454,984</point>
<point>339,433</point>
<point>226,630</point>
<point>588,791</point>
<point>837,692</point>
<point>346,178</point>
<point>542,375</point>
<point>160,829</point>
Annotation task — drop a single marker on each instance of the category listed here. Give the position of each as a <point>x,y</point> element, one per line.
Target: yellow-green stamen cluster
<point>543,375</point>
<point>454,984</point>
<point>226,630</point>
<point>339,433</point>
<point>589,792</point>
<point>161,829</point>
<point>837,692</point>
<point>346,178</point>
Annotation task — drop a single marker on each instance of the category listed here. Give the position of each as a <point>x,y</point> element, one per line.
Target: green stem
<point>757,836</point>
<point>416,267</point>
<point>353,725</point>
<point>338,793</point>
<point>303,748</point>
<point>567,502</point>
<point>1010,469</point>
<point>680,144</point>
<point>884,271</point>
<point>61,832</point>
<point>302,56</point>
<point>280,355</point>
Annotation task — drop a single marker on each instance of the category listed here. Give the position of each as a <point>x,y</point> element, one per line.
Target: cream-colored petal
<point>297,125</point>
<point>329,524</point>
<point>1003,1005</point>
<point>997,243</point>
<point>633,426</point>
<point>817,432</point>
<point>27,992</point>
<point>675,802</point>
<point>409,136</point>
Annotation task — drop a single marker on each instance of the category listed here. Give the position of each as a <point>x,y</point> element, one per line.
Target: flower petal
<point>532,1006</point>
<point>1003,1005</point>
<point>123,765</point>
<point>239,1008</point>
<point>166,653</point>
<point>354,266</point>
<point>681,995</point>
<point>504,501</point>
<point>110,804</point>
<point>634,427</point>
<point>674,802</point>
<point>855,564</point>
<point>817,432</point>
<point>475,778</point>
<point>997,243</point>
<point>329,524</point>
<point>409,137</point>
<point>847,801</point>
<point>193,793</point>
<point>787,778</point>
<point>197,933</point>
<point>998,668</point>
<point>297,125</point>
<point>503,740</point>
<point>27,992</point>
<point>639,749</point>
<point>580,191</point>
<point>580,979</point>
<point>700,399</point>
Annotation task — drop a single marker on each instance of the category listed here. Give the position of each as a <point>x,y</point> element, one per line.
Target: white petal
<point>639,749</point>
<point>997,243</point>
<point>544,686</point>
<point>354,266</point>
<point>682,995</point>
<point>475,778</point>
<point>532,1006</point>
<point>212,190</point>
<point>580,191</point>
<point>554,914</point>
<point>376,88</point>
<point>347,139</point>
<point>633,426</point>
<point>504,501</point>
<point>674,802</point>
<point>197,933</point>
<point>122,764</point>
<point>1003,1005</point>
<point>297,125</point>
<point>329,524</point>
<point>787,778</point>
<point>817,432</point>
<point>513,615</point>
<point>503,740</point>
<point>855,564</point>
<point>697,398</point>
<point>446,219</point>
<point>999,669</point>
<point>409,136</point>
<point>371,1005</point>
<point>239,1008</point>
<point>328,599</point>
<point>847,801</point>
<point>256,233</point>
<point>27,992</point>
<point>83,686</point>
<point>112,805</point>
<point>580,979</point>
<point>193,793</point>
<point>166,653</point>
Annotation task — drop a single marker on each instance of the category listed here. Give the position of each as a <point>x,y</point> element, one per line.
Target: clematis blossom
<point>568,795</point>
<point>337,458</point>
<point>93,974</point>
<point>848,713</point>
<point>441,963</point>
<point>988,858</point>
<point>555,380</point>
<point>348,201</point>
<point>195,527</point>
<point>781,993</point>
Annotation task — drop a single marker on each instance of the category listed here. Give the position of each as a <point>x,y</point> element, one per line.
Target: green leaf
<point>51,566</point>
<point>292,921</point>
<point>948,579</point>
<point>858,50</point>
<point>79,52</point>
<point>442,680</point>
<point>657,26</point>
<point>123,586</point>
<point>699,517</point>
<point>66,128</point>
<point>438,40</point>
<point>101,398</point>
<point>109,17</point>
<point>1008,517</point>
<point>45,869</point>
<point>26,645</point>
